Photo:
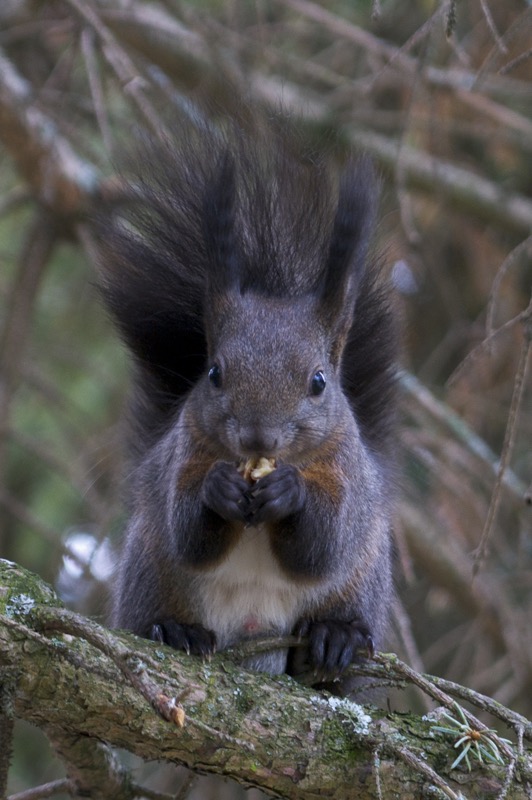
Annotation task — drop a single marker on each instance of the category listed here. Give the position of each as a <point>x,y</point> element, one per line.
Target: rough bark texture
<point>262,731</point>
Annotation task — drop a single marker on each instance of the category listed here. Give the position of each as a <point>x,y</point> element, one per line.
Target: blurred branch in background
<point>440,95</point>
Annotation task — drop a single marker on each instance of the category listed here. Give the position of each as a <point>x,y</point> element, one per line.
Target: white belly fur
<point>247,594</point>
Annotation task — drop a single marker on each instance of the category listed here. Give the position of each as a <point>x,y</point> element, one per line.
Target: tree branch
<point>84,685</point>
<point>7,722</point>
<point>63,180</point>
<point>465,190</point>
<point>59,178</point>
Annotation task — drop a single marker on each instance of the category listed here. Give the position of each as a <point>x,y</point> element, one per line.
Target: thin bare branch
<point>61,786</point>
<point>466,191</point>
<point>509,440</point>
<point>87,48</point>
<point>132,82</point>
<point>59,178</point>
<point>453,423</point>
<point>493,28</point>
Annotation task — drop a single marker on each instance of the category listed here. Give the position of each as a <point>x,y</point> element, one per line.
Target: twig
<point>509,440</point>
<point>524,247</point>
<point>121,64</point>
<point>516,62</point>
<point>58,177</point>
<point>461,80</point>
<point>515,31</point>
<point>422,32</point>
<point>66,786</point>
<point>377,771</point>
<point>459,186</point>
<point>459,428</point>
<point>348,31</point>
<point>421,766</point>
<point>520,724</point>
<point>510,774</point>
<point>87,48</point>
<point>135,670</point>
<point>128,662</point>
<point>428,686</point>
<point>61,786</point>
<point>493,28</point>
<point>107,672</point>
<point>485,344</point>
<point>404,628</point>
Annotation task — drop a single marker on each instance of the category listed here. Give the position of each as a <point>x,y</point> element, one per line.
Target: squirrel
<point>240,279</point>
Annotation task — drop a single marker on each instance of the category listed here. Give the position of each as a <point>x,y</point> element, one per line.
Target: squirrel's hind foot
<point>193,639</point>
<point>333,645</point>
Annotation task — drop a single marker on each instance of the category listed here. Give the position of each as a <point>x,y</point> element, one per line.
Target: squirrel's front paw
<point>333,645</point>
<point>276,496</point>
<point>224,491</point>
<point>193,639</point>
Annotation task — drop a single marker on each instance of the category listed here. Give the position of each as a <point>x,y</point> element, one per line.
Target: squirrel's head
<point>272,387</point>
<point>273,381</point>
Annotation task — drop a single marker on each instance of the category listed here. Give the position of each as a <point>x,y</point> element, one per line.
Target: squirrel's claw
<point>193,639</point>
<point>334,645</point>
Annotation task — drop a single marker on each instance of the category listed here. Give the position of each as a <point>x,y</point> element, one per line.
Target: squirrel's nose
<point>255,440</point>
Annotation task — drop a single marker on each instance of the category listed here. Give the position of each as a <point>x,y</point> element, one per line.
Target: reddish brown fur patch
<point>195,468</point>
<point>324,474</point>
<point>325,481</point>
<point>193,472</point>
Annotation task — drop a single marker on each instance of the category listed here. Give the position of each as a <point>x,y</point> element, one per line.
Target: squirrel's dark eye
<point>318,383</point>
<point>215,376</point>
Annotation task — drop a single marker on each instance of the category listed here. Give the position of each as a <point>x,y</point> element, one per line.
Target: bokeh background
<point>440,94</point>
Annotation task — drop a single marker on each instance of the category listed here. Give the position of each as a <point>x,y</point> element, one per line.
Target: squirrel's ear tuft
<point>219,227</point>
<point>353,224</point>
<point>348,248</point>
